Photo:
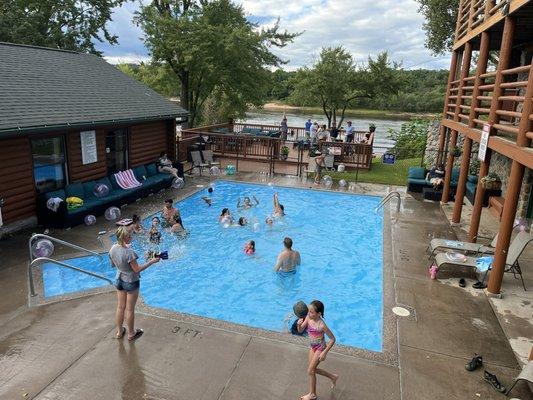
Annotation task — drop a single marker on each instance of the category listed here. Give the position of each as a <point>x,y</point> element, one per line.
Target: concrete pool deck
<point>66,349</point>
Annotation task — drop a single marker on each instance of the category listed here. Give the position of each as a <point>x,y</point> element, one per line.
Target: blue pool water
<point>339,236</point>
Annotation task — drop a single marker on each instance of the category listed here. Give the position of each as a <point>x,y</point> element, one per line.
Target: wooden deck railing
<point>508,107</point>
<point>238,146</point>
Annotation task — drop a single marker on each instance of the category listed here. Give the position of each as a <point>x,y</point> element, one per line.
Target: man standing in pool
<point>288,259</point>
<point>168,214</point>
<point>279,210</point>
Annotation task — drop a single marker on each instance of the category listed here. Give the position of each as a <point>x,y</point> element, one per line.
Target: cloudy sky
<point>364,27</point>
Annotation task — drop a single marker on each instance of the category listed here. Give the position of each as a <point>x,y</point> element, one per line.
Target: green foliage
<point>475,164</point>
<point>335,83</point>
<point>66,24</point>
<point>157,76</point>
<point>217,54</point>
<point>410,139</point>
<point>441,17</point>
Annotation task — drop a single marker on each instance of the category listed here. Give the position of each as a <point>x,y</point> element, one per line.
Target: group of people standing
<point>316,133</point>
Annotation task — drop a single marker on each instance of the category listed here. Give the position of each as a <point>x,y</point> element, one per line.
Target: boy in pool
<point>279,210</point>
<point>168,214</point>
<point>247,203</point>
<point>300,310</point>
<point>207,199</point>
<point>154,236</point>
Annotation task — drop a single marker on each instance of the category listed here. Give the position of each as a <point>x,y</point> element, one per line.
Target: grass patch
<point>380,173</point>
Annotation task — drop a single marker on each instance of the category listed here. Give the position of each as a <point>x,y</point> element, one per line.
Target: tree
<point>441,17</point>
<point>214,51</point>
<point>157,76</point>
<point>335,83</point>
<point>66,24</point>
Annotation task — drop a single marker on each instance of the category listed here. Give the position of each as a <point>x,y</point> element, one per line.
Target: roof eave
<point>87,124</point>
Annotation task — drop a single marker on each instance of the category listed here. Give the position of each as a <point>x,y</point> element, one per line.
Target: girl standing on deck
<point>316,330</point>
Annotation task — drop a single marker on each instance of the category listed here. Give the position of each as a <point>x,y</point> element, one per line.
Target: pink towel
<point>126,179</point>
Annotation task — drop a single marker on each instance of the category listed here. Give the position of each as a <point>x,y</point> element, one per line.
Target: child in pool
<point>225,217</point>
<point>247,203</point>
<point>136,226</point>
<point>154,236</point>
<point>249,248</point>
<point>207,199</point>
<point>317,329</point>
<point>177,228</point>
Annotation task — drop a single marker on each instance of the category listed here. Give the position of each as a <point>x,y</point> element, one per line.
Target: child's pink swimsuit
<point>317,338</point>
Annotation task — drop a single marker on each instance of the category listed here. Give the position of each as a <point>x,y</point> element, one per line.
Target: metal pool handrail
<point>64,243</point>
<point>62,264</point>
<point>388,198</point>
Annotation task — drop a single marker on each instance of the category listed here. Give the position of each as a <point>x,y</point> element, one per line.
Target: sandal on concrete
<point>479,285</point>
<point>495,383</point>
<point>462,282</point>
<point>138,334</point>
<point>475,363</point>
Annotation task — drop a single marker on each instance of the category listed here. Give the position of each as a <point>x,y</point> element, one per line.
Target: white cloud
<point>363,27</point>
<point>127,59</point>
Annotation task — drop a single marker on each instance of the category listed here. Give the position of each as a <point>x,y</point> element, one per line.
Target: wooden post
<point>465,68</point>
<point>511,195</point>
<point>442,129</point>
<point>504,60</point>
<point>465,160</point>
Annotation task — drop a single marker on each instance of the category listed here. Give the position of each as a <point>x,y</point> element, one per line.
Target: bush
<point>410,139</point>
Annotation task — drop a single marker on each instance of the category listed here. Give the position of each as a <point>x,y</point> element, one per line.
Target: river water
<point>298,119</point>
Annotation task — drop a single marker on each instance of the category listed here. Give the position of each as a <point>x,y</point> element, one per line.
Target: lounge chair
<point>208,158</point>
<point>197,161</point>
<point>525,375</point>
<point>516,248</point>
<point>440,245</point>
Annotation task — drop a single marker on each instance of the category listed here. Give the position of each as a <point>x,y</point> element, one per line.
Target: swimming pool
<point>339,236</point>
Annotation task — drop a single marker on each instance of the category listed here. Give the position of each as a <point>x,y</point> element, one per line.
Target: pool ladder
<point>388,198</point>
<point>38,260</point>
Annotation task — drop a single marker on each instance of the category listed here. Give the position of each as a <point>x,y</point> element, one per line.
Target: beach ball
<point>230,170</point>
<point>342,183</point>
<point>112,213</point>
<point>327,181</point>
<point>195,171</point>
<point>100,190</point>
<point>89,220</point>
<point>341,168</point>
<point>178,183</point>
<point>42,248</point>
<point>214,170</point>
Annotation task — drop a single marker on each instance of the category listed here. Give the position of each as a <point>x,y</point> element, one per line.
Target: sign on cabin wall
<point>89,153</point>
<point>483,143</point>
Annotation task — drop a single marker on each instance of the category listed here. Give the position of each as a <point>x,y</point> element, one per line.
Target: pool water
<point>339,237</point>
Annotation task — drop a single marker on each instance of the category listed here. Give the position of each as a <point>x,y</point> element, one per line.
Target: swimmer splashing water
<point>279,210</point>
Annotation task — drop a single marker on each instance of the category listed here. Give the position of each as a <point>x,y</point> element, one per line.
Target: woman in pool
<point>269,221</point>
<point>247,203</point>
<point>127,283</point>
<point>225,217</point>
<point>317,329</point>
<point>243,221</point>
<point>177,229</point>
<point>249,248</point>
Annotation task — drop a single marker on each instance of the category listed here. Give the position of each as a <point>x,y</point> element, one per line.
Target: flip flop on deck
<point>138,334</point>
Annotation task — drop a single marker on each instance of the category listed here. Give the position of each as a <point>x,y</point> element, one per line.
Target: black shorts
<point>127,286</point>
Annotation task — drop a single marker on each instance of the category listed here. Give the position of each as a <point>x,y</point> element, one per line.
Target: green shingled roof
<point>43,88</point>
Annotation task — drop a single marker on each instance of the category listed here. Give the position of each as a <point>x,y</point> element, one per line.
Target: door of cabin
<point>116,148</point>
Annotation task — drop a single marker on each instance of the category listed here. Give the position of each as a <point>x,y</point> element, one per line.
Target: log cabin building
<point>489,107</point>
<point>70,117</point>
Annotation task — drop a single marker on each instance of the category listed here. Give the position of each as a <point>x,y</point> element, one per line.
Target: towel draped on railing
<point>126,179</point>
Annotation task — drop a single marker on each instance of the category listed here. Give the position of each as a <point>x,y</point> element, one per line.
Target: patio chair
<point>525,375</point>
<point>208,158</point>
<point>329,162</point>
<point>516,248</point>
<point>197,161</point>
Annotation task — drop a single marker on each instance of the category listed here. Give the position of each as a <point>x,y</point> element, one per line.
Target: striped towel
<point>126,179</point>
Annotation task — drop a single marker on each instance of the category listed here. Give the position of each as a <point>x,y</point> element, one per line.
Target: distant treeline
<point>420,90</point>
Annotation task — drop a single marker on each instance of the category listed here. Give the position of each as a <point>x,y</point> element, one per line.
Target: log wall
<point>16,183</point>
<point>147,141</point>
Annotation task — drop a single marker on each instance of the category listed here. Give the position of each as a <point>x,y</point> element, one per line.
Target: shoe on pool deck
<point>474,363</point>
<point>493,380</point>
